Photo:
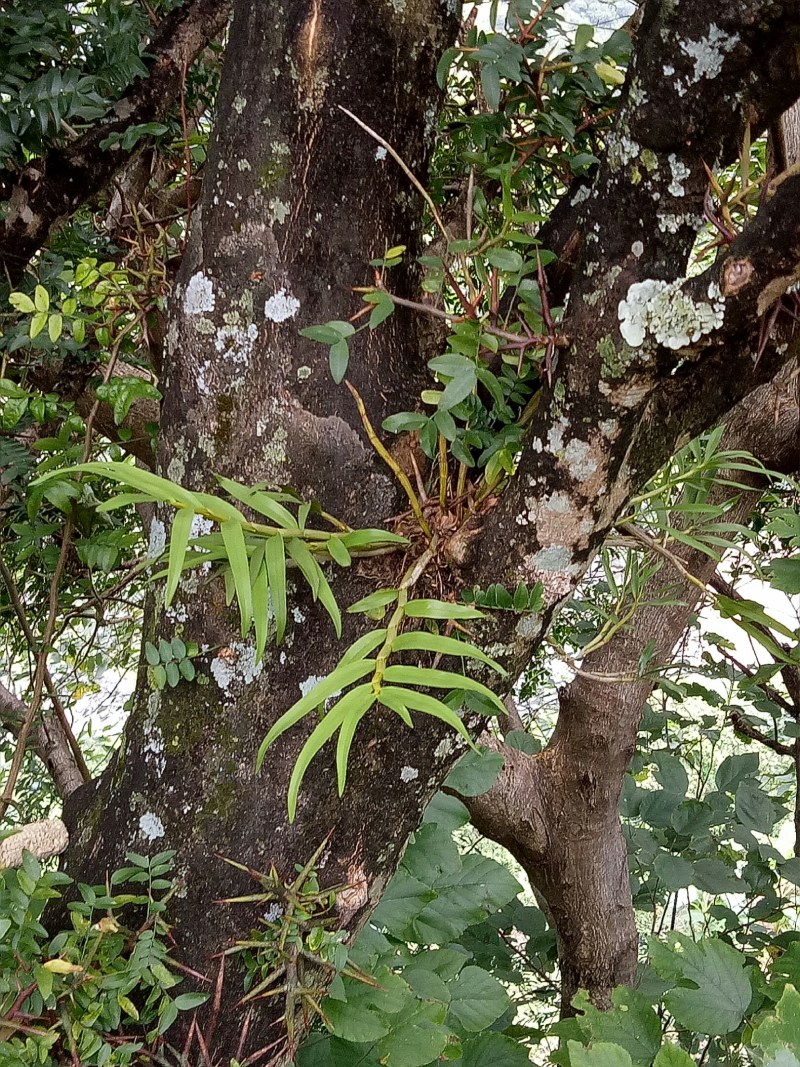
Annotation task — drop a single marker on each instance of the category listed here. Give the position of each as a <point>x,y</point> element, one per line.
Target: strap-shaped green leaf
<point>429,705</point>
<point>220,509</point>
<point>276,572</point>
<point>364,645</point>
<point>260,587</point>
<point>445,646</point>
<point>328,601</point>
<point>338,552</point>
<point>146,482</point>
<point>306,563</point>
<point>122,500</point>
<point>236,548</point>
<point>370,538</point>
<point>379,599</point>
<point>430,678</point>
<point>393,699</point>
<point>259,501</point>
<point>357,702</point>
<point>179,541</point>
<point>334,682</point>
<point>230,587</point>
<point>322,732</point>
<point>440,609</point>
<point>316,579</point>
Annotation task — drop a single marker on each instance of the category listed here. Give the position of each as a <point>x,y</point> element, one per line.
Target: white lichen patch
<point>555,559</point>
<point>680,172</point>
<point>158,539</point>
<point>235,666</point>
<point>310,682</point>
<point>199,296</point>
<point>303,373</point>
<point>621,150</point>
<point>709,52</point>
<point>380,152</point>
<point>200,526</point>
<point>444,748</point>
<point>281,306</point>
<point>237,342</point>
<point>557,502</point>
<point>637,249</point>
<point>153,750</point>
<point>239,103</point>
<point>578,459</point>
<point>555,435</point>
<point>408,774</point>
<point>668,314</point>
<point>671,222</point>
<point>150,826</point>
<point>279,211</point>
<point>582,194</point>
<point>244,164</point>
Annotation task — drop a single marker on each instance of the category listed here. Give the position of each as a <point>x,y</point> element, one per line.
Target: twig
<point>390,462</point>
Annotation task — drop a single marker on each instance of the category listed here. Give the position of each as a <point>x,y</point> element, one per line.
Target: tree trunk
<point>296,200</point>
<point>558,811</point>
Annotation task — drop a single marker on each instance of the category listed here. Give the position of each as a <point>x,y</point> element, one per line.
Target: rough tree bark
<point>557,811</point>
<point>295,200</point>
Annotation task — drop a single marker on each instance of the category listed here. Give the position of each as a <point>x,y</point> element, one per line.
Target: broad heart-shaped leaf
<point>417,1036</point>
<point>446,812</point>
<point>670,1055</point>
<point>601,1054</point>
<point>493,1050</point>
<point>786,575</point>
<point>714,990</point>
<point>754,808</point>
<point>476,999</point>
<point>236,548</point>
<point>367,1013</point>
<point>781,1030</point>
<point>632,1023</point>
<point>404,898</point>
<point>335,682</point>
<point>673,871</point>
<point>475,773</point>
<point>735,769</point>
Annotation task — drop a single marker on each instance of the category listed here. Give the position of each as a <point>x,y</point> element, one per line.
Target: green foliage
<point>344,712</point>
<point>252,556</point>
<point>98,992</point>
<point>429,1001</point>
<point>169,661</point>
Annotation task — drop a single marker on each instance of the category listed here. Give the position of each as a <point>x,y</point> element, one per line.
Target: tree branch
<point>754,734</point>
<point>51,189</point>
